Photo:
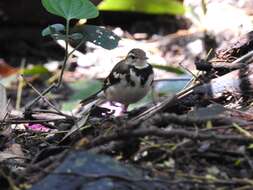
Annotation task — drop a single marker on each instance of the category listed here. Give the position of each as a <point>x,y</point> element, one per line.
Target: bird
<point>128,82</point>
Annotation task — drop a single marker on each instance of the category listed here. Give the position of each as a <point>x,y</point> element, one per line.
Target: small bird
<point>129,81</point>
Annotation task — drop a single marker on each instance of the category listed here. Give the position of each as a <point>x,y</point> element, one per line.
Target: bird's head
<point>137,58</point>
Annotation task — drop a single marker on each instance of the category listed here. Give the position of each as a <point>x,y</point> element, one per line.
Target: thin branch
<point>244,58</point>
<point>162,105</point>
<point>20,86</point>
<point>153,131</point>
<point>20,121</point>
<point>30,104</point>
<point>42,96</point>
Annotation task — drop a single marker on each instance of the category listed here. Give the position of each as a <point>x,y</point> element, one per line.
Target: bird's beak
<point>146,58</point>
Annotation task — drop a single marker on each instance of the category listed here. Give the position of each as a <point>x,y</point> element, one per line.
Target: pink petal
<point>37,127</point>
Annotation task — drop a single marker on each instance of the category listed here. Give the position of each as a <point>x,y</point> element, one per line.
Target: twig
<point>244,57</point>
<point>42,96</point>
<point>153,131</point>
<point>30,104</point>
<point>243,131</point>
<point>20,121</point>
<point>54,112</point>
<point>6,114</point>
<point>188,70</point>
<point>162,105</point>
<point>20,85</point>
<point>236,64</point>
<point>66,57</point>
<point>164,119</point>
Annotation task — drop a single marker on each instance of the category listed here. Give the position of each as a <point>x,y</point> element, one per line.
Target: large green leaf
<point>98,35</point>
<point>144,6</point>
<point>71,9</point>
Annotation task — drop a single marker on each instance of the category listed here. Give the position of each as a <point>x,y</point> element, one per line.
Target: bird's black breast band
<point>144,73</point>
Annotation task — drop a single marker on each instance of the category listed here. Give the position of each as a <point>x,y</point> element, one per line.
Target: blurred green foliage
<point>168,68</point>
<point>144,6</point>
<point>35,70</point>
<point>81,90</point>
<point>84,88</point>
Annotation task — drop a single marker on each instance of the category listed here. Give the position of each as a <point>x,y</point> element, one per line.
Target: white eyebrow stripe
<point>131,54</point>
<point>141,66</point>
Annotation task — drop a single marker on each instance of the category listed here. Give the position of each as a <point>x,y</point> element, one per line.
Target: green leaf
<point>53,29</point>
<point>36,70</point>
<point>238,162</point>
<point>169,69</point>
<point>71,9</point>
<point>98,35</point>
<point>145,6</point>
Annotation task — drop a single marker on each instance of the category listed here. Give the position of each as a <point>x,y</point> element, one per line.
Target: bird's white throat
<point>139,64</point>
<point>142,66</point>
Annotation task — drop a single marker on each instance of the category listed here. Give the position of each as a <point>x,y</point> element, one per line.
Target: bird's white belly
<point>127,94</point>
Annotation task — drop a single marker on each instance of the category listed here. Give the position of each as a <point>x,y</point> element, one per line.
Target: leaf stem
<point>66,54</point>
<point>78,45</point>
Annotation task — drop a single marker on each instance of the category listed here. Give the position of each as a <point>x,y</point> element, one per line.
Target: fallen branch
<point>125,134</point>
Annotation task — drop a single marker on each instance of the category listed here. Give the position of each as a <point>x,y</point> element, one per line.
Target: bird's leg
<point>154,95</point>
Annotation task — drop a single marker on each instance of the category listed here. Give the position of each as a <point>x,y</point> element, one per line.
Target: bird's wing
<point>116,74</point>
<point>113,78</point>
